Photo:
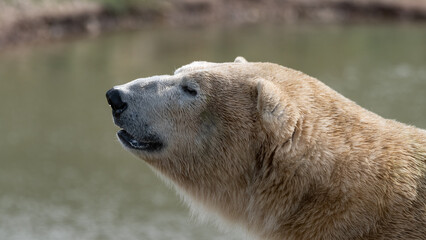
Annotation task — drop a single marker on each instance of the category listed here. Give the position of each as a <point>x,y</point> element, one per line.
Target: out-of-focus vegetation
<point>114,5</point>
<point>125,5</point>
<point>28,20</point>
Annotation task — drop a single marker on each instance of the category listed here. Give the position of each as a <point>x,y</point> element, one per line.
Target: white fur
<point>201,213</point>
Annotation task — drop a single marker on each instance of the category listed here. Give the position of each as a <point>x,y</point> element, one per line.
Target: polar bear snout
<point>115,101</point>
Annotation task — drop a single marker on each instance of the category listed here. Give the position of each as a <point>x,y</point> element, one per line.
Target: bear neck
<point>334,156</point>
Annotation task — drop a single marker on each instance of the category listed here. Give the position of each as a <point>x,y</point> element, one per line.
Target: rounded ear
<point>277,115</point>
<point>240,60</point>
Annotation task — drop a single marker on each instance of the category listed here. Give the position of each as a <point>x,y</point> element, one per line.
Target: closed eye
<point>189,90</point>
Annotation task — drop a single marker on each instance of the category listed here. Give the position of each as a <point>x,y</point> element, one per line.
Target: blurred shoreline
<point>30,21</point>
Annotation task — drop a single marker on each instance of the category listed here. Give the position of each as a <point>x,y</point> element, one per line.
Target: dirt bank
<point>49,20</point>
<point>28,23</point>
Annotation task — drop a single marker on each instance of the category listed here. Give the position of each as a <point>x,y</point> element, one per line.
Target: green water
<point>63,174</point>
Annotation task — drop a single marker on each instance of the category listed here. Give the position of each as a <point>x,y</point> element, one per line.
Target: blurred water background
<point>63,174</point>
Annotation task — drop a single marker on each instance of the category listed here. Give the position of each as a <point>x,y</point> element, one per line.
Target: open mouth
<point>149,143</point>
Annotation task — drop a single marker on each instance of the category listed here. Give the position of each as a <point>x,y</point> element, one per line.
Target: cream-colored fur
<point>280,153</point>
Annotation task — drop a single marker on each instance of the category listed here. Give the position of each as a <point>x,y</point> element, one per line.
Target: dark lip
<point>150,143</point>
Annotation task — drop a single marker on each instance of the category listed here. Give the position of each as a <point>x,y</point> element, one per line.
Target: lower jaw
<point>130,142</point>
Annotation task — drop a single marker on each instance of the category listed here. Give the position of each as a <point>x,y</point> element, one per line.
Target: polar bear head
<point>205,127</point>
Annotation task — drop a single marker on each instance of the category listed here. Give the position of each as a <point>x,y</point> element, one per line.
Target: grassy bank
<point>24,21</point>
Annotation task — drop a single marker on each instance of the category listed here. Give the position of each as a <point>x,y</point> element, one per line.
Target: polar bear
<point>276,151</point>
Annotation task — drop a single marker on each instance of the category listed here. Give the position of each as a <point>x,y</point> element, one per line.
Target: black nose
<point>117,104</point>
